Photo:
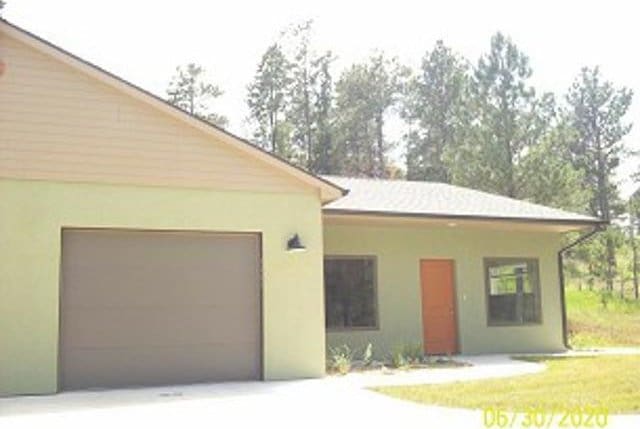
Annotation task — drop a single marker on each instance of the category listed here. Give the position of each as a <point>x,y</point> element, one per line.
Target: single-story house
<point>140,245</point>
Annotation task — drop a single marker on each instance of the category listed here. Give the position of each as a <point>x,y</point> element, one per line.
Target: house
<point>140,245</point>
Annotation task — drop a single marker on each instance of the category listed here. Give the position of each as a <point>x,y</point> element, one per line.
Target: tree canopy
<point>480,124</point>
<point>191,91</point>
<point>435,109</point>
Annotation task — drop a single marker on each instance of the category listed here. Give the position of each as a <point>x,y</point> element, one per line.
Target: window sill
<point>512,325</point>
<point>352,329</point>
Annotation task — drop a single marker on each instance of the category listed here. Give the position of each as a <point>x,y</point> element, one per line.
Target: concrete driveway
<point>292,404</point>
<point>333,401</point>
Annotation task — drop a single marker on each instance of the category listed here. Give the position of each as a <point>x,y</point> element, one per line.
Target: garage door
<point>152,308</point>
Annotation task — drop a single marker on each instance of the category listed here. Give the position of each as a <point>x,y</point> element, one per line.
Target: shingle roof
<point>440,200</point>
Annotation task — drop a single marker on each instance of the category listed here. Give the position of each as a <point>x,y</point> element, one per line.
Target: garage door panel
<point>124,276</point>
<point>135,326</point>
<point>141,366</point>
<point>141,291</point>
<point>150,307</point>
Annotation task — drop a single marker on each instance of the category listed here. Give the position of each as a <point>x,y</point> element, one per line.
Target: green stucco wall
<point>32,214</point>
<point>399,250</point>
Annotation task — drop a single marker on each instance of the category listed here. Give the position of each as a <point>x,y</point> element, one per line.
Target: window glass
<point>513,291</point>
<point>350,288</point>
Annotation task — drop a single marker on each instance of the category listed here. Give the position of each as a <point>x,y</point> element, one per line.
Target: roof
<point>328,191</point>
<point>440,200</point>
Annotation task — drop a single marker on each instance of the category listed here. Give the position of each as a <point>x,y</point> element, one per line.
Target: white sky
<point>143,40</point>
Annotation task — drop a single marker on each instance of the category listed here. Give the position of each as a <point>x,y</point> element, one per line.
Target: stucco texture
<point>399,250</point>
<point>32,214</point>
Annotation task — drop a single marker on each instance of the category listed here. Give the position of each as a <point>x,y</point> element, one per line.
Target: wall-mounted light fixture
<point>294,244</point>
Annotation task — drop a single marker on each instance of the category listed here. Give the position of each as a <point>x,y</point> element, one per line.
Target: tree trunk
<point>634,255</point>
<point>274,133</point>
<point>511,186</point>
<point>381,167</point>
<point>307,124</point>
<point>272,122</point>
<point>605,212</point>
<point>443,172</point>
<point>611,263</point>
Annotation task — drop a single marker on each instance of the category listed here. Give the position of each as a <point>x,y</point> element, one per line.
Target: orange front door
<point>438,306</point>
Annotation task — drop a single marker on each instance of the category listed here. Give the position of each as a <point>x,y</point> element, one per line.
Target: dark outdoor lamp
<point>294,244</point>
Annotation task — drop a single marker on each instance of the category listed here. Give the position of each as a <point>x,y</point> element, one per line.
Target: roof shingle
<point>431,199</point>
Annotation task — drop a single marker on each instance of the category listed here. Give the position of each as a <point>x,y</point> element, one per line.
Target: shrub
<point>340,359</point>
<point>406,355</point>
<point>367,355</point>
<point>398,360</point>
<point>413,352</point>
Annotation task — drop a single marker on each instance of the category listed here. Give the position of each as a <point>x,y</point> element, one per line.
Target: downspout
<point>561,252</point>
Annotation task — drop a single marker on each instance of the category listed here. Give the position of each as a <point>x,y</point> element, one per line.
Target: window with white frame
<point>513,291</point>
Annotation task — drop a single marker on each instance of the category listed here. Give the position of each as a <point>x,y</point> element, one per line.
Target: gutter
<point>599,227</point>
<point>460,217</point>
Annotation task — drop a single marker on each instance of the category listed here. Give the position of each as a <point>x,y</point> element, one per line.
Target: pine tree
<point>323,159</point>
<point>549,178</point>
<point>634,228</point>
<point>434,109</point>
<point>190,91</point>
<point>267,101</point>
<point>310,101</point>
<point>515,142</point>
<point>365,94</point>
<point>507,120</point>
<point>300,112</point>
<point>597,112</point>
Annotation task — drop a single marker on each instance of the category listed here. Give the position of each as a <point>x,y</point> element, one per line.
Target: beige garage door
<point>153,308</point>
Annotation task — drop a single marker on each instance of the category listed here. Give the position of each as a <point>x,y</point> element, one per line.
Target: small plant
<point>604,299</point>
<point>367,355</point>
<point>407,355</point>
<point>413,353</point>
<point>340,359</point>
<point>398,360</point>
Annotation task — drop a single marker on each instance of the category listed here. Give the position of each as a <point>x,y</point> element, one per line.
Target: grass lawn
<point>596,319</point>
<point>607,381</point>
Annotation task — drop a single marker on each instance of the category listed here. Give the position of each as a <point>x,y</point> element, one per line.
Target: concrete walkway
<point>600,351</point>
<point>330,402</point>
<point>481,367</point>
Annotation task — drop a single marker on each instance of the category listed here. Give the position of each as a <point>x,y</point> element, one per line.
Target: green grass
<point>599,319</point>
<point>612,382</point>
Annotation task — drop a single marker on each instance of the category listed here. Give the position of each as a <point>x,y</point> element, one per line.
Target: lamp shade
<point>294,244</point>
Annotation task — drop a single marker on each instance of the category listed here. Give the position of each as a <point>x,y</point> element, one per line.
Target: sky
<point>144,40</point>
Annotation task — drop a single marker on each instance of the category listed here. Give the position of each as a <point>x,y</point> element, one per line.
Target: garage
<point>141,245</point>
<point>158,307</point>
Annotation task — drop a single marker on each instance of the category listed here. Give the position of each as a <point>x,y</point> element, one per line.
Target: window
<point>513,291</point>
<point>350,292</point>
